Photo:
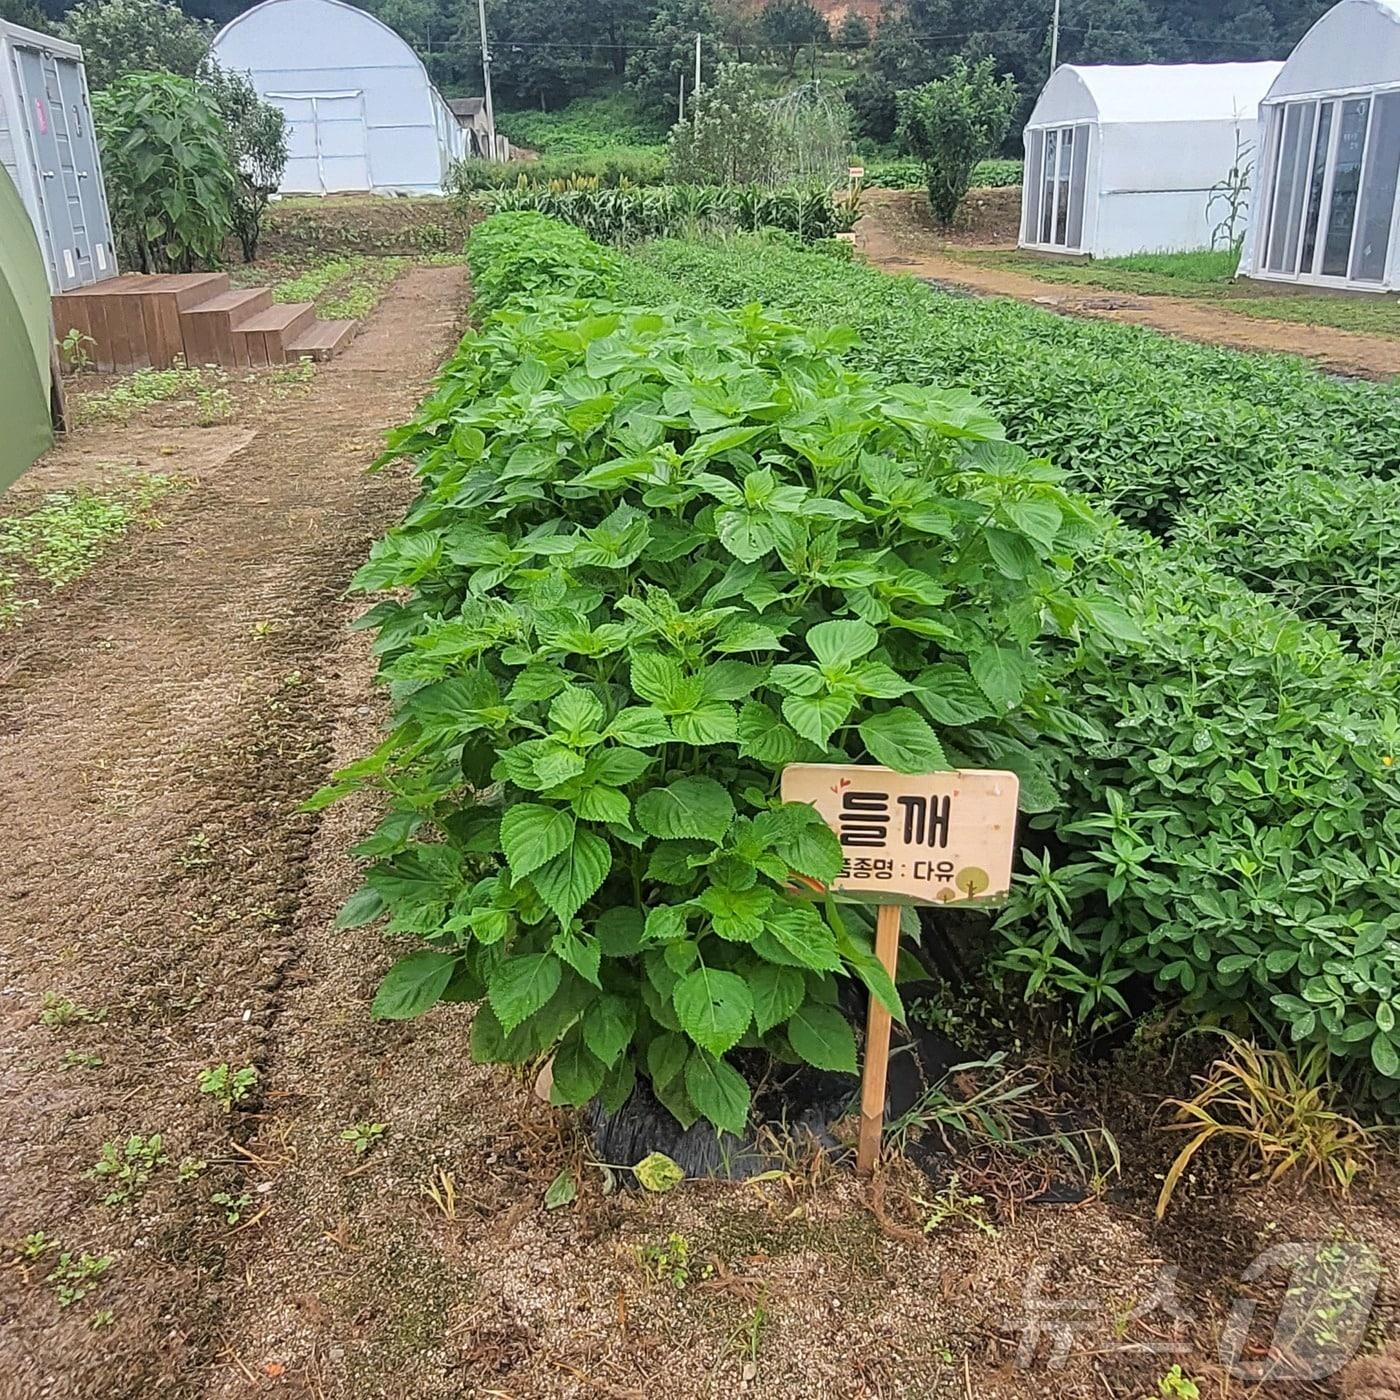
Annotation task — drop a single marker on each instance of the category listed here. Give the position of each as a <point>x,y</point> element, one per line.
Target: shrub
<point>627,516</point>
<point>952,123</point>
<point>624,215</point>
<point>135,36</point>
<point>169,181</point>
<point>727,137</point>
<point>257,136</point>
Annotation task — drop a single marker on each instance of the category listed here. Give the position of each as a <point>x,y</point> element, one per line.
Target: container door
<point>91,208</point>
<point>57,233</point>
<point>342,142</point>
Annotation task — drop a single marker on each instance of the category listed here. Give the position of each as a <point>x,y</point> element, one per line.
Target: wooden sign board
<point>923,838</point>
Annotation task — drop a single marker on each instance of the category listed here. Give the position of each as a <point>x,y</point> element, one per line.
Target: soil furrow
<point>158,730</point>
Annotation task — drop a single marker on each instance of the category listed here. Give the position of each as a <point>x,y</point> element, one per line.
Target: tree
<point>169,181</point>
<point>135,36</point>
<point>952,123</point>
<point>737,22</point>
<point>533,61</point>
<point>655,71</point>
<point>788,26</point>
<point>727,138</point>
<point>26,14</point>
<point>615,23</point>
<point>898,58</point>
<point>853,33</point>
<point>256,133</point>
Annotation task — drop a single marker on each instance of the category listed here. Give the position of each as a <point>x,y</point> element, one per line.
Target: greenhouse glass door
<point>1055,187</point>
<point>1333,173</point>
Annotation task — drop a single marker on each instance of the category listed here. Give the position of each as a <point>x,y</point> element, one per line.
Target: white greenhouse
<point>1125,160</point>
<point>1327,213</point>
<point>363,114</point>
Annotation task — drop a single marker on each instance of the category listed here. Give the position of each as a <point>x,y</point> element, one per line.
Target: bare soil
<point>897,233</point>
<point>159,725</point>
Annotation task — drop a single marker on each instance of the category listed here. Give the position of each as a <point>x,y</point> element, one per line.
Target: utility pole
<point>1055,40</point>
<point>680,102</point>
<point>697,62</point>
<point>486,78</point>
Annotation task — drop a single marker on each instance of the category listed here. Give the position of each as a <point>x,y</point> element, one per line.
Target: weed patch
<point>61,539</point>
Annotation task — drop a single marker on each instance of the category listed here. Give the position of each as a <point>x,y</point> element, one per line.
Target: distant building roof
<point>466,106</point>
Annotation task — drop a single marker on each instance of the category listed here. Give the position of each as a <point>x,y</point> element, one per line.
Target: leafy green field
<point>1152,425</point>
<point>904,173</point>
<point>667,543</point>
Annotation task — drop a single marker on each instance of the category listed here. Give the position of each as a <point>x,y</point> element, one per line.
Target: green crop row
<point>1159,429</point>
<point>643,165</point>
<point>626,215</point>
<point>662,551</point>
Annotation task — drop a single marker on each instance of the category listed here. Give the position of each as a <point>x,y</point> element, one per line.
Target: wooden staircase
<point>141,322</point>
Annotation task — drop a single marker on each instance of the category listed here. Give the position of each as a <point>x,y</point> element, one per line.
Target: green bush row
<point>1157,428</point>
<point>906,173</point>
<point>641,165</point>
<point>655,557</point>
<point>628,215</point>
<point>1227,824</point>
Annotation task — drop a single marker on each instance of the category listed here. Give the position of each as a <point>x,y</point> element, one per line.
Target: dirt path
<point>157,730</point>
<point>890,238</point>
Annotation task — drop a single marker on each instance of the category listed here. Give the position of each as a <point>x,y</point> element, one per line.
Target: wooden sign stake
<point>945,837</point>
<point>877,1046</point>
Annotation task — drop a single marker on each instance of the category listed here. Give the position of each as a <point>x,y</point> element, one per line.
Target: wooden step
<point>322,339</point>
<point>263,339</point>
<point>133,320</point>
<point>208,326</point>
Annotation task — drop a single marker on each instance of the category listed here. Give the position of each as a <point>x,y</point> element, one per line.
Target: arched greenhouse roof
<point>1356,44</point>
<point>1154,92</point>
<point>332,45</point>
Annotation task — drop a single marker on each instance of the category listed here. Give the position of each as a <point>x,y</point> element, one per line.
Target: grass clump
<point>1279,1110</point>
<point>62,539</point>
<point>135,392</point>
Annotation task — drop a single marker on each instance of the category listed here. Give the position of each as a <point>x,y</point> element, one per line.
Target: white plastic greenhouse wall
<point>362,112</point>
<point>1124,160</point>
<point>1327,212</point>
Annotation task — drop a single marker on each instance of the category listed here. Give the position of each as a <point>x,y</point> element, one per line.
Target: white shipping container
<point>49,148</point>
